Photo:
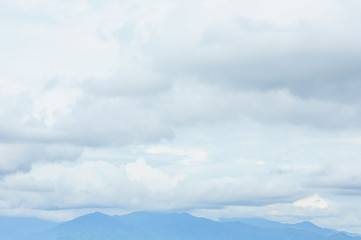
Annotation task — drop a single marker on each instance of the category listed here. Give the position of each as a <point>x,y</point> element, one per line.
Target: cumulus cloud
<point>245,50</point>
<point>154,179</point>
<point>130,186</point>
<point>313,201</point>
<point>223,50</point>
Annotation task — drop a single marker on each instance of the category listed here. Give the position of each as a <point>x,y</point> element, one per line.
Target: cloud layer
<point>213,107</point>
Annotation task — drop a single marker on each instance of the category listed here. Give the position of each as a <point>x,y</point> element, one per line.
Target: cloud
<point>249,51</point>
<point>238,106</point>
<point>53,104</point>
<point>20,157</point>
<point>192,156</point>
<point>95,106</point>
<point>154,179</point>
<point>313,208</point>
<point>135,185</point>
<point>338,177</point>
<point>314,201</point>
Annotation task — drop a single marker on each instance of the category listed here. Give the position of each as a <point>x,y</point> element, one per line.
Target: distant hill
<point>267,224</point>
<point>163,226</point>
<point>17,228</point>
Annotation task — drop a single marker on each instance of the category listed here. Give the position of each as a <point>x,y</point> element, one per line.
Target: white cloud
<point>311,210</point>
<point>154,179</point>
<point>52,105</point>
<point>192,156</point>
<point>314,201</point>
<point>135,185</point>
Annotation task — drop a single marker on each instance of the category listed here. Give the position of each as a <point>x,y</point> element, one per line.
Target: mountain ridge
<point>172,226</point>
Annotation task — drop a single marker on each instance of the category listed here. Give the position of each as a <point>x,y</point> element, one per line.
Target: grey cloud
<point>233,69</point>
<point>119,121</point>
<point>120,118</point>
<point>21,156</point>
<point>132,80</point>
<point>305,58</point>
<point>281,170</point>
<point>338,177</point>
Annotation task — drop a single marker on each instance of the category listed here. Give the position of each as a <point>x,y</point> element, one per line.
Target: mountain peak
<point>93,218</point>
<point>307,223</point>
<point>95,215</point>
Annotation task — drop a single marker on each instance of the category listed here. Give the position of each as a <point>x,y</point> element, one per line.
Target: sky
<point>223,109</point>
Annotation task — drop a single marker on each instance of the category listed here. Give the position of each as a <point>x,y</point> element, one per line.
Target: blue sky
<point>218,108</point>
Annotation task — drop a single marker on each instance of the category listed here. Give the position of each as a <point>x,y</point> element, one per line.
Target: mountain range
<point>163,226</point>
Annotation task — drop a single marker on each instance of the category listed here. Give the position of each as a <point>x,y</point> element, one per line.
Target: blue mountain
<point>163,226</point>
<point>17,228</point>
<point>94,226</point>
<point>258,222</point>
<point>267,224</point>
<point>308,226</point>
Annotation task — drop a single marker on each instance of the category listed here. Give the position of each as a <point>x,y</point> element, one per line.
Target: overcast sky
<point>231,108</point>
